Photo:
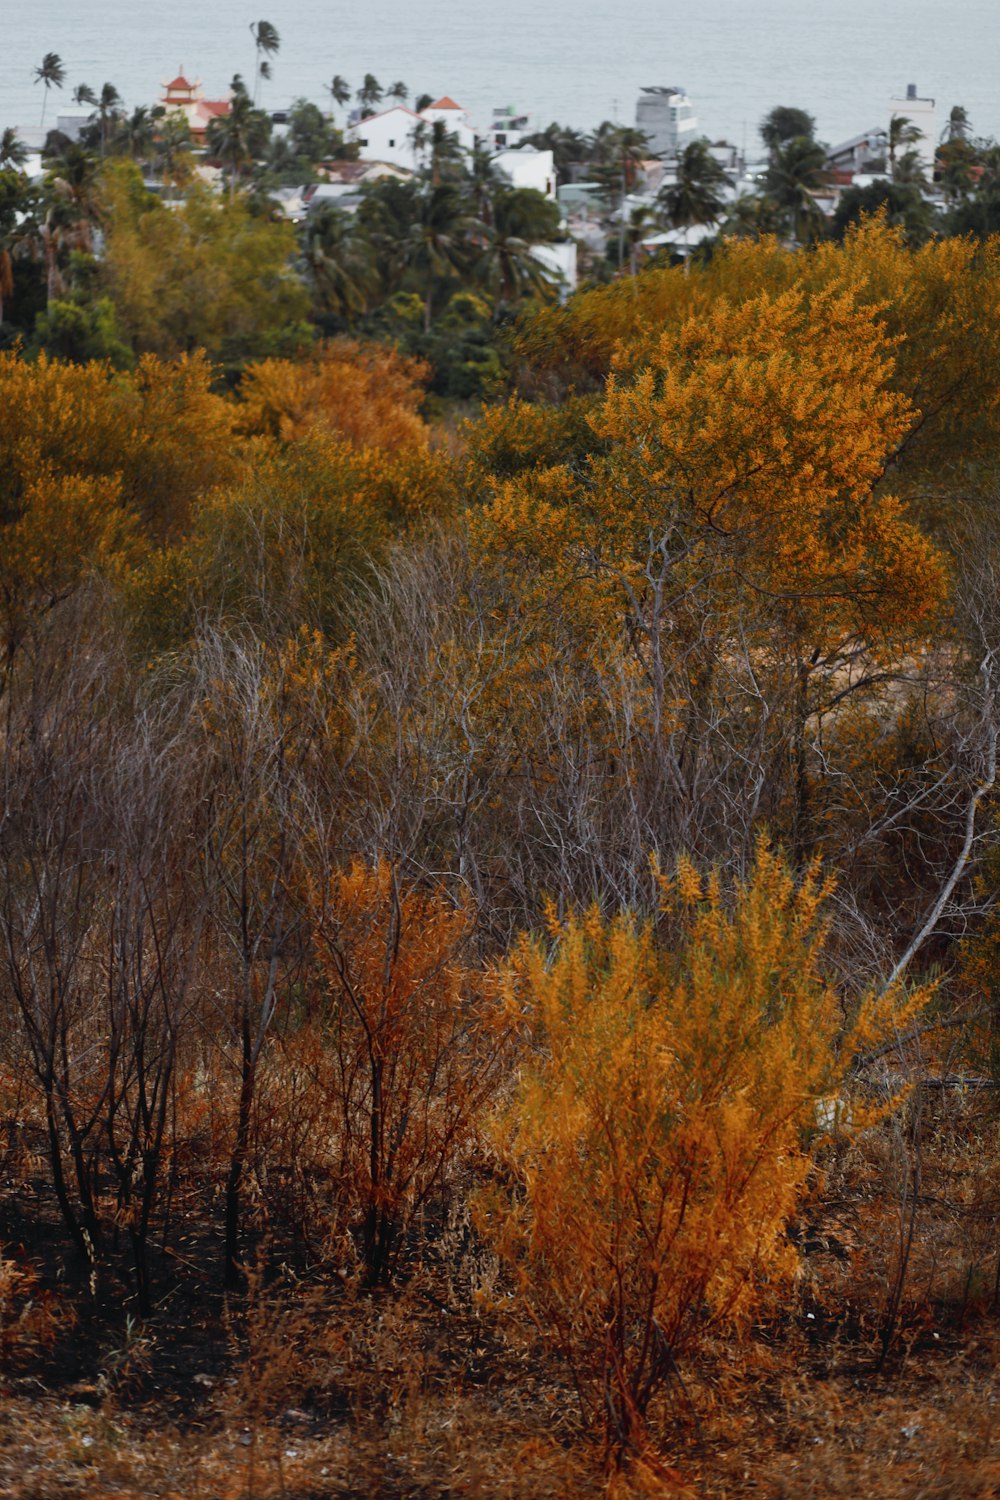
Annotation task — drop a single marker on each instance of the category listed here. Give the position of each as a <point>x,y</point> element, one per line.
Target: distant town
<point>408,221</point>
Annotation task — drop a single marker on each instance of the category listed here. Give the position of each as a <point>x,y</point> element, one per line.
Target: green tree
<point>238,137</point>
<point>398,91</point>
<point>310,137</point>
<point>52,74</point>
<point>108,108</point>
<point>902,133</point>
<point>267,43</point>
<point>171,146</point>
<point>695,197</point>
<point>338,263</point>
<point>617,152</point>
<point>202,275</point>
<point>483,182</point>
<point>958,127</point>
<point>441,151</point>
<point>909,170</point>
<point>369,95</point>
<point>80,333</point>
<point>339,90</point>
<point>385,216</point>
<point>13,212</point>
<point>785,123</point>
<point>750,216</point>
<point>13,151</point>
<point>796,173</point>
<point>956,169</point>
<point>84,94</point>
<point>521,218</point>
<point>436,246</point>
<point>568,147</point>
<point>642,221</point>
<point>137,133</point>
<point>70,214</point>
<point>904,207</point>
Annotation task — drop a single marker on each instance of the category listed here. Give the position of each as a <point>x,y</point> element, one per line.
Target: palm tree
<point>52,74</point>
<point>522,218</point>
<point>437,241</point>
<point>910,170</point>
<point>137,133</point>
<point>238,137</point>
<point>398,91</point>
<point>616,152</point>
<point>267,43</point>
<point>109,103</point>
<point>751,216</point>
<point>444,156</point>
<point>695,196</point>
<point>84,94</point>
<point>14,220</point>
<point>339,90</point>
<point>567,147</point>
<point>338,262</point>
<point>640,221</point>
<point>902,132</point>
<point>13,151</point>
<point>796,173</point>
<point>901,206</point>
<point>484,182</point>
<point>958,127</point>
<point>171,144</point>
<point>369,95</point>
<point>71,213</point>
<point>785,123</point>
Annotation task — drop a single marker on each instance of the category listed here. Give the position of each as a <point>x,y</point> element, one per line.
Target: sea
<point>575,61</point>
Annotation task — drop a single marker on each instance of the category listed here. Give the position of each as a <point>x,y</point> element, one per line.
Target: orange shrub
<point>658,1132</point>
<point>365,393</point>
<point>413,1045</point>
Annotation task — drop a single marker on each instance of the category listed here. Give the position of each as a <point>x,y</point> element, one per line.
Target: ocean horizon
<point>553,60</point>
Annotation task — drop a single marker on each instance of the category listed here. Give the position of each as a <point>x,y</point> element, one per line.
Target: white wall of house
<point>455,120</point>
<point>392,134</point>
<point>389,136</point>
<point>560,260</point>
<point>923,114</point>
<point>524,167</point>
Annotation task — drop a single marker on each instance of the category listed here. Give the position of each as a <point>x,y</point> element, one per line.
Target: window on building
<point>392,142</point>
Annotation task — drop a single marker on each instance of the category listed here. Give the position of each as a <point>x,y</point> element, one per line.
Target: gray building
<point>667,116</point>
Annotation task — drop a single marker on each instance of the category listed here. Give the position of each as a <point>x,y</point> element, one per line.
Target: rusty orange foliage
<point>745,456</point>
<point>659,1130</point>
<point>365,393</point>
<point>160,432</point>
<point>414,1038</point>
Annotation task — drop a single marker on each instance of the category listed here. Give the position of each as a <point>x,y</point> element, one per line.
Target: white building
<point>667,116</point>
<point>507,128</point>
<point>454,118</point>
<point>862,153</point>
<point>525,167</point>
<point>559,260</point>
<point>399,135</point>
<point>393,135</point>
<point>923,114</point>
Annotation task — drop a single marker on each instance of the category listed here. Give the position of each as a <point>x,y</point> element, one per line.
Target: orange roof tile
<point>445,103</point>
